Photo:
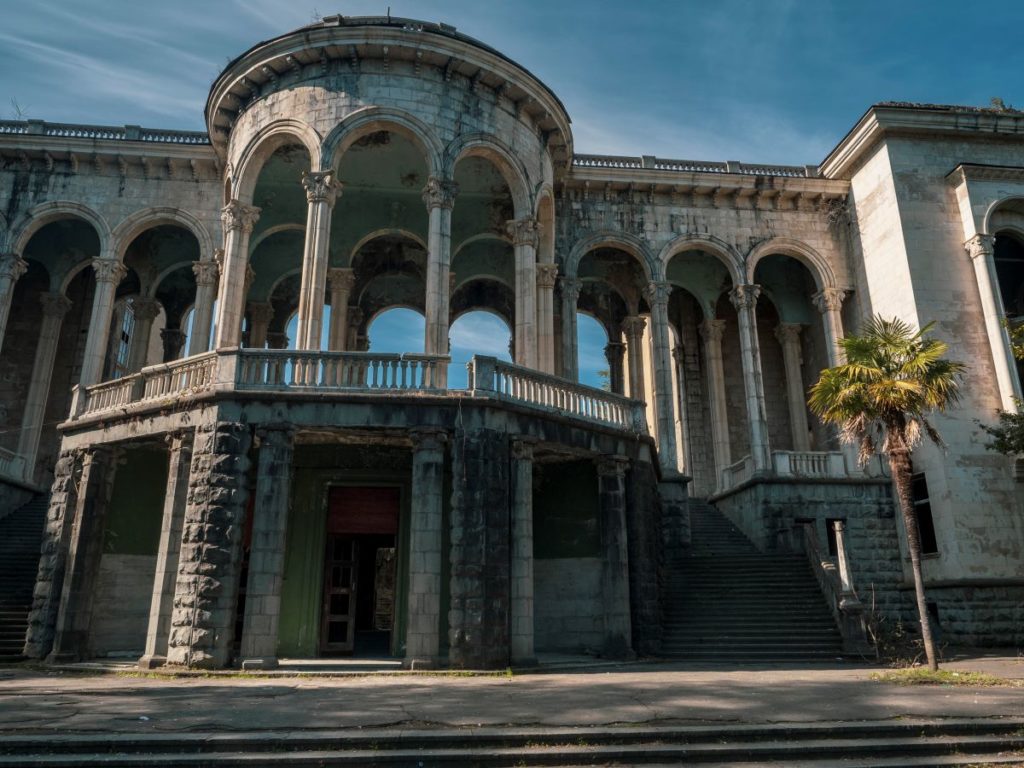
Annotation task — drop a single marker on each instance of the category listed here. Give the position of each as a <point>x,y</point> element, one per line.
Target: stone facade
<point>210,295</point>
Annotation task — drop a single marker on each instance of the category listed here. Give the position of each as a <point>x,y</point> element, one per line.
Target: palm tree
<point>880,398</point>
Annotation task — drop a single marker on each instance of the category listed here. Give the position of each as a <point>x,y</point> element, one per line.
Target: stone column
<point>322,190</point>
<point>341,282</point>
<point>206,273</point>
<point>277,340</point>
<point>633,327</point>
<point>238,220</point>
<point>162,602</point>
<point>173,339</point>
<point>260,315</point>
<point>682,433</point>
<point>423,632</point>
<point>614,352</point>
<point>830,303</point>
<point>60,515</point>
<point>546,276</point>
<point>522,632</point>
<point>657,295</point>
<point>788,335</point>
<point>85,548</point>
<point>55,306</point>
<point>12,267</point>
<point>611,471</point>
<point>109,273</point>
<point>570,354</point>
<point>266,555</point>
<point>524,234</point>
<point>981,250</point>
<point>439,197</point>
<point>145,311</point>
<point>355,338</point>
<point>744,298</point>
<point>711,331</point>
<point>206,592</point>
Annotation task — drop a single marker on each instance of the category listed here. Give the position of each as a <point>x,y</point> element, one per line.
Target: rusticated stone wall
<point>202,623</point>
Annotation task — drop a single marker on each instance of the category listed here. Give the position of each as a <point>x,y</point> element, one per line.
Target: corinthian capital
<point>570,289</point>
<point>633,326</point>
<point>829,299</point>
<point>547,274</point>
<point>788,333</point>
<point>236,215</point>
<point>146,308</point>
<point>341,279</point>
<point>657,293</point>
<point>711,330</point>
<point>109,270</point>
<point>744,296</point>
<point>979,245</point>
<point>440,193</point>
<point>321,186</point>
<point>54,304</point>
<point>523,231</point>
<point>12,266</point>
<point>206,272</point>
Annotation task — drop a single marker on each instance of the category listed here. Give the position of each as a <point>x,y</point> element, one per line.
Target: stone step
<point>909,742</point>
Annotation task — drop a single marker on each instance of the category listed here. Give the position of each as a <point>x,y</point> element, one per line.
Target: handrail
<point>836,584</point>
<point>277,369</point>
<point>517,383</point>
<point>815,464</point>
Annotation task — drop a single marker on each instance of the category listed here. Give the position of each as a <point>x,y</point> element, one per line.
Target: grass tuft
<point>924,676</point>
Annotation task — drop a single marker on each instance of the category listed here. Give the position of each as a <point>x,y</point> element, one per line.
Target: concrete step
<point>911,742</point>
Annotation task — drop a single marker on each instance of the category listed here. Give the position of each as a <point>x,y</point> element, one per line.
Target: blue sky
<point>752,80</point>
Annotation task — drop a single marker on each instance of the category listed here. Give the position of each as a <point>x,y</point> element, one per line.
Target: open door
<point>338,625</point>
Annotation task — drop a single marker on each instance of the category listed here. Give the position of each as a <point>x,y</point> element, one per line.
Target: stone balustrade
<point>516,383</point>
<point>692,166</point>
<point>284,369</point>
<point>814,465</point>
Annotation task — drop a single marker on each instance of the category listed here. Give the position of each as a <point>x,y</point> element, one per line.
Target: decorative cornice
<point>439,193</point>
<point>973,172</point>
<point>321,187</point>
<point>745,297</point>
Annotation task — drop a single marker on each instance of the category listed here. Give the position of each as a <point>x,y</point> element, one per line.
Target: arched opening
<point>595,368</point>
<point>19,350</point>
<point>1009,257</point>
<point>396,330</point>
<point>476,332</point>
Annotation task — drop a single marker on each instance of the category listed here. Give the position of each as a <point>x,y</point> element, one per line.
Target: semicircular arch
<point>40,215</point>
<point>496,151</point>
<point>267,140</point>
<point>147,218</point>
<point>372,119</point>
<point>996,207</point>
<point>817,265</point>
<point>624,241</point>
<point>709,244</point>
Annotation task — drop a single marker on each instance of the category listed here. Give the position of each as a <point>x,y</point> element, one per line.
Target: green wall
<point>136,503</point>
<point>565,511</point>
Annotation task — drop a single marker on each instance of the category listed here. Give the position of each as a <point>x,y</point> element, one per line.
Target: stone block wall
<point>568,608</point>
<point>121,605</point>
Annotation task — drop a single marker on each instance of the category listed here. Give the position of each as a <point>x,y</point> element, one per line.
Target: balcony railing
<point>815,465</point>
<point>284,371</point>
<point>490,376</point>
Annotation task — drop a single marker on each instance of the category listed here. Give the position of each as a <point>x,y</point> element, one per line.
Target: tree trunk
<point>899,463</point>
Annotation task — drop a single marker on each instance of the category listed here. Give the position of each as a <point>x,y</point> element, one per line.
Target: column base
<point>422,662</point>
<point>152,661</point>
<point>260,663</point>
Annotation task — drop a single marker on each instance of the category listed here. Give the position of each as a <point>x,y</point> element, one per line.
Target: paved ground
<point>33,700</point>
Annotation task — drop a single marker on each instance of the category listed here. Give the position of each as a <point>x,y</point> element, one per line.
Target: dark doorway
<point>359,571</point>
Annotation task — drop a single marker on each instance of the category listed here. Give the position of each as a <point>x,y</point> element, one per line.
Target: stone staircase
<point>727,601</point>
<point>21,534</point>
<point>908,743</point>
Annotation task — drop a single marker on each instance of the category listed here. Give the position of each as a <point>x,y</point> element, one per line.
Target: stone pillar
<point>85,548</point>
<point>206,273</point>
<point>355,337</point>
<point>546,277</point>
<point>12,267</point>
<point>611,472</point>
<point>322,190</point>
<point>711,331</point>
<point>633,327</point>
<point>238,220</point>
<point>744,298</point>
<point>55,306</point>
<point>830,303</point>
<point>266,555</point>
<point>341,282</point>
<point>162,602</point>
<point>682,433</point>
<point>145,311</point>
<point>53,558</point>
<point>570,354</point>
<point>173,339</point>
<point>524,234</point>
<point>277,340</point>
<point>260,315</point>
<point>614,352</point>
<point>206,592</point>
<point>522,632</point>
<point>657,295</point>
<point>788,335</point>
<point>478,620</point>
<point>981,250</point>
<point>109,273</point>
<point>422,637</point>
<point>439,197</point>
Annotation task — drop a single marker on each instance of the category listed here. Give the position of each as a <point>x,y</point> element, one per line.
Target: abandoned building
<point>219,469</point>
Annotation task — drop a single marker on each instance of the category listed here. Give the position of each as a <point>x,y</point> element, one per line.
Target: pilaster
<point>12,267</point>
<point>570,288</point>
<point>341,281</point>
<point>521,639</point>
<point>525,235</point>
<point>788,335</point>
<point>207,274</point>
<point>439,198</point>
<point>611,472</point>
<point>547,275</point>
<point>109,273</point>
<point>744,299</point>
<point>322,190</point>
<point>238,220</point>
